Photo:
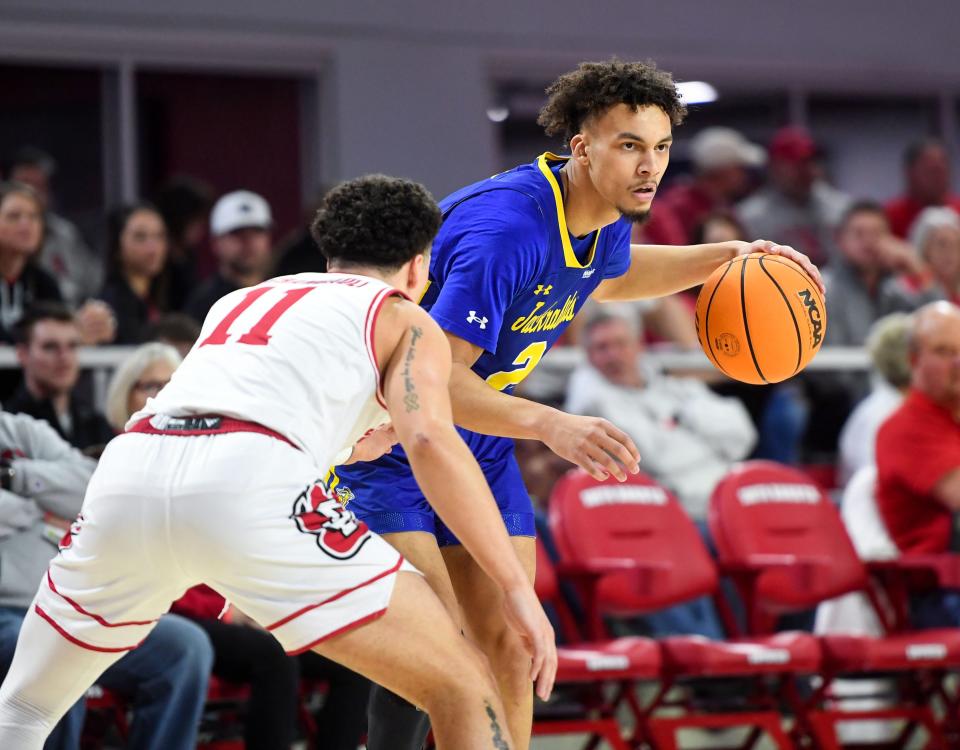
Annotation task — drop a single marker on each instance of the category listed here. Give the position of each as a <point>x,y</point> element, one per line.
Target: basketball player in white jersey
<point>216,482</point>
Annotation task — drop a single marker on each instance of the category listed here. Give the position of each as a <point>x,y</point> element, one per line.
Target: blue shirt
<point>507,275</point>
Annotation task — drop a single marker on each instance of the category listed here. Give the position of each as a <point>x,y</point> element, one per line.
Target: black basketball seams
<point>796,326</point>
<point>706,319</point>
<point>746,324</point>
<point>779,261</point>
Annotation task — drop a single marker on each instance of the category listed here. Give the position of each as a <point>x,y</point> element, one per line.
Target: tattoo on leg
<point>499,743</point>
<point>411,401</point>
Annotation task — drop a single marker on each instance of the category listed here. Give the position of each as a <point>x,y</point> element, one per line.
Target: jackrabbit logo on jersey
<point>337,529</point>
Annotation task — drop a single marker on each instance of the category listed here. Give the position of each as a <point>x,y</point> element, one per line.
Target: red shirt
<point>902,211</point>
<point>916,448</point>
<point>200,603</point>
<point>677,214</point>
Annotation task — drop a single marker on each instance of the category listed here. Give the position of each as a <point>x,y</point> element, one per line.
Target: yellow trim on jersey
<point>568,255</point>
<point>424,292</point>
<point>331,480</point>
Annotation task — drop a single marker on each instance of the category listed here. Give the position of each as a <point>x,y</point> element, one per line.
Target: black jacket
<point>203,297</point>
<point>90,427</point>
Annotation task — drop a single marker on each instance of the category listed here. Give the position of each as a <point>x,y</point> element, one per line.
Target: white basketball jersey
<point>295,354</point>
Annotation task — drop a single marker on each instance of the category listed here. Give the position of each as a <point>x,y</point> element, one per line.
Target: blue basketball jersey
<point>507,276</point>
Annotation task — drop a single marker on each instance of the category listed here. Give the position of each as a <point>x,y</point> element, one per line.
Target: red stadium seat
<point>592,669</point>
<point>631,549</point>
<point>782,540</point>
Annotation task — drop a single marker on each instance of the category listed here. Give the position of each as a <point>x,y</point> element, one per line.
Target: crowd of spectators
<point>165,262</point>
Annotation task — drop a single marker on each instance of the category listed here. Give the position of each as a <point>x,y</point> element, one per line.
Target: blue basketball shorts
<point>386,497</point>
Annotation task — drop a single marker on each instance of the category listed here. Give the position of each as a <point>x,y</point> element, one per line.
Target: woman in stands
<point>23,282</point>
<point>137,284</point>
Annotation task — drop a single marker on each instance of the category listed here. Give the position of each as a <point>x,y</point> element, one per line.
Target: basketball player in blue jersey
<point>517,256</point>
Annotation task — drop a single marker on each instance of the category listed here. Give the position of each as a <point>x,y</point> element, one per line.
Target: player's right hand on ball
<point>525,615</point>
<point>592,443</point>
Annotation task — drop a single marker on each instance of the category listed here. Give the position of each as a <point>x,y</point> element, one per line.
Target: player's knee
<point>503,647</point>
<point>466,677</point>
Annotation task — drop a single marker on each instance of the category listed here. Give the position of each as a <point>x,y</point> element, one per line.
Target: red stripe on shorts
<point>333,598</point>
<point>77,641</point>
<point>98,618</point>
<point>349,626</point>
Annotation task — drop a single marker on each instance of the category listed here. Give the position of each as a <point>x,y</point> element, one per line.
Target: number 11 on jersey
<point>259,334</point>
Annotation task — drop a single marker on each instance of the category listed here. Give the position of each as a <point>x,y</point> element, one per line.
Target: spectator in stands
<point>869,254</point>
<point>718,226</point>
<point>687,435</point>
<point>139,377</point>
<point>21,235</point>
<point>889,352</point>
<point>856,282</point>
<point>177,329</point>
<point>721,159</point>
<point>299,253</point>
<point>47,343</point>
<point>935,235</point>
<point>918,447</point>
<point>926,167</point>
<point>42,483</point>
<point>137,283</point>
<point>64,254</point>
<point>240,224</point>
<point>184,202</point>
<point>796,207</point>
<point>918,454</point>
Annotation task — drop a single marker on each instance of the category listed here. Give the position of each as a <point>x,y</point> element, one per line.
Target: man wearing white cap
<point>240,225</point>
<point>721,158</point>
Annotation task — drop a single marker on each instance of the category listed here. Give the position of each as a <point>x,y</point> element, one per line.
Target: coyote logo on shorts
<point>337,529</point>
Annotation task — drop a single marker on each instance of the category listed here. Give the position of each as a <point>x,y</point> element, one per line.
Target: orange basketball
<point>760,318</point>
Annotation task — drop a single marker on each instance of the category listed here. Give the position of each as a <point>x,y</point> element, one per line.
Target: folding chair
<point>781,539</point>
<point>631,549</point>
<point>596,675</point>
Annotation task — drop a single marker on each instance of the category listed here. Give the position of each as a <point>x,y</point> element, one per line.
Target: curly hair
<point>375,221</point>
<point>595,87</point>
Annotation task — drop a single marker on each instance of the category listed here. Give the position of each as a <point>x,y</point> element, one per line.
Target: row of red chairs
<point>630,549</point>
<point>221,724</point>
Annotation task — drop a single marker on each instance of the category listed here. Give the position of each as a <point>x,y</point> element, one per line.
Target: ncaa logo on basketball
<point>338,531</point>
<point>813,314</point>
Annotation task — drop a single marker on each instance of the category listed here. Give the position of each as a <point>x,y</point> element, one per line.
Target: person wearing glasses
<point>139,377</point>
<point>48,338</point>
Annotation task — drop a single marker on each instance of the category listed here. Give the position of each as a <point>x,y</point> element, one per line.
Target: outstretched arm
<point>592,443</point>
<point>657,270</point>
<point>416,390</point>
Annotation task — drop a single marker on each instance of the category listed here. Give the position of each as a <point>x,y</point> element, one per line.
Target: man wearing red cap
<point>796,203</point>
<point>926,167</point>
<point>722,159</point>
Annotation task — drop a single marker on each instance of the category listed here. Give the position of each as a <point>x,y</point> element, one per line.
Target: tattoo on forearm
<point>411,401</point>
<point>499,743</point>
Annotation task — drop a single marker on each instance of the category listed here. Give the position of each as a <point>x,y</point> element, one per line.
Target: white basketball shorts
<point>241,511</point>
